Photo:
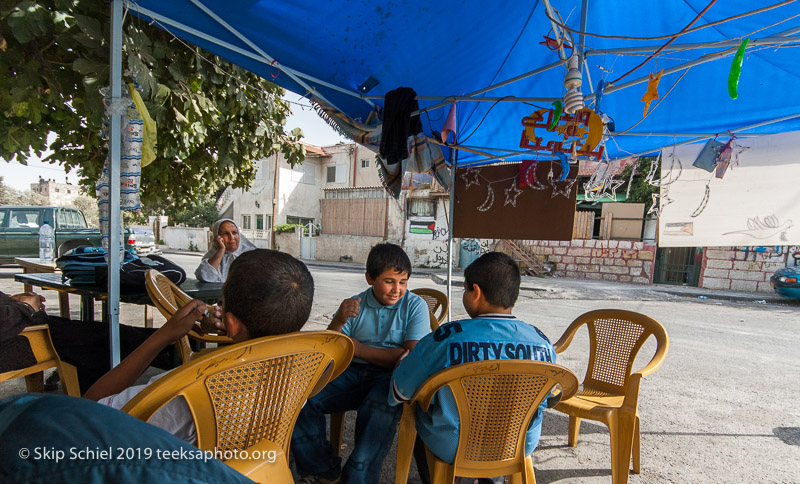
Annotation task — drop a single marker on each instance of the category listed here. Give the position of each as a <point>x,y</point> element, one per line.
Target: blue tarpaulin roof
<point>460,48</point>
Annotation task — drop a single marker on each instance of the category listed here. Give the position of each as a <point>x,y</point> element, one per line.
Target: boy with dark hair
<point>491,287</point>
<point>266,293</point>
<point>384,322</point>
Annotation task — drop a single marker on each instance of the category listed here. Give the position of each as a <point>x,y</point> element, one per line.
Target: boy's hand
<point>212,320</point>
<point>32,299</point>
<point>348,309</point>
<point>183,320</point>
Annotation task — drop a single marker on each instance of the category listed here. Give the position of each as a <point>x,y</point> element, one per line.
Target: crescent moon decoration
<point>703,203</point>
<point>470,177</point>
<point>530,177</point>
<point>512,193</point>
<point>487,204</point>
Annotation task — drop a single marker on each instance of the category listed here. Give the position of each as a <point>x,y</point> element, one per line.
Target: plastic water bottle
<point>47,241</point>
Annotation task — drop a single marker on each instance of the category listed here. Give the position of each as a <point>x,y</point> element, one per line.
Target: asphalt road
<point>722,408</point>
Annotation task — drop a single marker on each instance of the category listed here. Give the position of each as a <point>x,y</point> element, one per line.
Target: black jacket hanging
<point>398,124</point>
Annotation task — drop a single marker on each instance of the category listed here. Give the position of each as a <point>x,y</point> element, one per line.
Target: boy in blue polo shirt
<point>384,322</point>
<point>491,287</point>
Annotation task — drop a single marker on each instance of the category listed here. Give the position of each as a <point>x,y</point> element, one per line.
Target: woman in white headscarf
<point>227,245</point>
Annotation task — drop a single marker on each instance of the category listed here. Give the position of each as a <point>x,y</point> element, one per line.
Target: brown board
<point>488,213</point>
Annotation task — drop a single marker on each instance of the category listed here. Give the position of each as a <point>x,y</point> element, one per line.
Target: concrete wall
<point>607,260</point>
<point>179,237</point>
<point>331,247</point>
<point>741,268</point>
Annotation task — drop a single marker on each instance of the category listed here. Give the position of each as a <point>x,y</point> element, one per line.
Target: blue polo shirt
<point>487,337</point>
<point>382,326</point>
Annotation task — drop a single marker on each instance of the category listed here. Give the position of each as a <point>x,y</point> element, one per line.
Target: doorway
<point>678,266</point>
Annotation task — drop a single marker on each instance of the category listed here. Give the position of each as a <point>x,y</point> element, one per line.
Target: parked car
<point>19,230</point>
<point>786,282</point>
<point>142,241</point>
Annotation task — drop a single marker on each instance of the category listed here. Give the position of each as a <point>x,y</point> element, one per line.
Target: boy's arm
<point>383,357</point>
<point>125,374</point>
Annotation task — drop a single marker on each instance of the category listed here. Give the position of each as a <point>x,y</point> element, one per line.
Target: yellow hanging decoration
<point>652,90</point>
<point>150,129</point>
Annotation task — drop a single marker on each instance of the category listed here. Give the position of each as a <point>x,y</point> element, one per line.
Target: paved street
<point>722,408</point>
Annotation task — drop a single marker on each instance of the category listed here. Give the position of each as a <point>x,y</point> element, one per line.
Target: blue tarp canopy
<point>473,48</point>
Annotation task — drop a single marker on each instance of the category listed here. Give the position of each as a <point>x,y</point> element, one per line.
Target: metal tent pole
<point>114,146</point>
<point>453,163</point>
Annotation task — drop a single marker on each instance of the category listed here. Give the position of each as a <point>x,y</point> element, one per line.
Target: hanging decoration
<point>652,90</point>
<point>556,115</point>
<point>580,133</point>
<point>736,70</point>
<point>602,184</point>
<point>527,173</point>
<point>565,191</point>
<point>652,176</point>
<point>573,99</point>
<point>512,193</point>
<point>657,206</point>
<point>470,177</point>
<point>487,204</point>
<point>728,152</point>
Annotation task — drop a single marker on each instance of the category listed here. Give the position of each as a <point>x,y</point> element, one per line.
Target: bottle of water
<point>47,241</point>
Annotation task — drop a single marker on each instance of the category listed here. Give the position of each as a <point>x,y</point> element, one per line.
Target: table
<point>38,266</point>
<point>208,292</point>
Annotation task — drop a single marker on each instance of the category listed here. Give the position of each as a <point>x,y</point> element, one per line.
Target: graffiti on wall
<point>763,253</point>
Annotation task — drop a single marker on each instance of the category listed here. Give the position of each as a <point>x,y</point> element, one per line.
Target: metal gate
<point>678,265</point>
<point>308,242</point>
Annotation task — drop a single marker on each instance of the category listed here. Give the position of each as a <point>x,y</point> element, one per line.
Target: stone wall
<point>740,268</point>
<point>606,260</point>
<point>289,242</point>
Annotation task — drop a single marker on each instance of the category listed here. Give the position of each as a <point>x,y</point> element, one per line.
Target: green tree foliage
<point>214,120</point>
<point>640,190</point>
<point>202,213</point>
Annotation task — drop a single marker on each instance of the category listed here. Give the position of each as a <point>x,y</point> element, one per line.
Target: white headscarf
<point>206,272</point>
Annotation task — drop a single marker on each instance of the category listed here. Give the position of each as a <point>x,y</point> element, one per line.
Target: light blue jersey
<point>382,326</point>
<point>487,337</point>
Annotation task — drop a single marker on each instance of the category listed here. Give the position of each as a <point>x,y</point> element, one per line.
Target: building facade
<point>59,194</point>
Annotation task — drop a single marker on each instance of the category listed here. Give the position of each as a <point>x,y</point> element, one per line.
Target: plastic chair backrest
<point>436,301</point>
<point>496,402</point>
<point>615,338</point>
<point>242,394</point>
<point>165,295</point>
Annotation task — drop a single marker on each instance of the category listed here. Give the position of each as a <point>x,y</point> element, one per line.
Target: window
<point>259,222</point>
<point>3,214</point>
<point>245,222</point>
<point>364,163</point>
<point>421,207</point>
<point>24,218</point>
<point>64,220</point>
<point>336,174</point>
<point>305,173</point>
<point>78,221</point>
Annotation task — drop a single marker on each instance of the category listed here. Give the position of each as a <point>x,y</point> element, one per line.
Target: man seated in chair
<point>384,322</point>
<point>491,287</point>
<point>267,293</point>
<point>86,346</point>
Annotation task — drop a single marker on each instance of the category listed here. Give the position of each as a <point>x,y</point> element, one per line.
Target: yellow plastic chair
<point>437,304</point>
<point>247,396</point>
<point>610,392</point>
<point>46,357</point>
<point>496,402</point>
<point>168,298</point>
<point>436,301</point>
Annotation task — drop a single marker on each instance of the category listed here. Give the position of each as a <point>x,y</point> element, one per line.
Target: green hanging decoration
<point>736,70</point>
<point>556,115</point>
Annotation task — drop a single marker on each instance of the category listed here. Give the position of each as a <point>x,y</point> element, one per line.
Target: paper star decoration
<point>657,206</point>
<point>512,193</point>
<point>611,184</point>
<point>652,90</point>
<point>470,177</point>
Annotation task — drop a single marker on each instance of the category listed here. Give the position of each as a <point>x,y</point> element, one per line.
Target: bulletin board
<point>515,201</point>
